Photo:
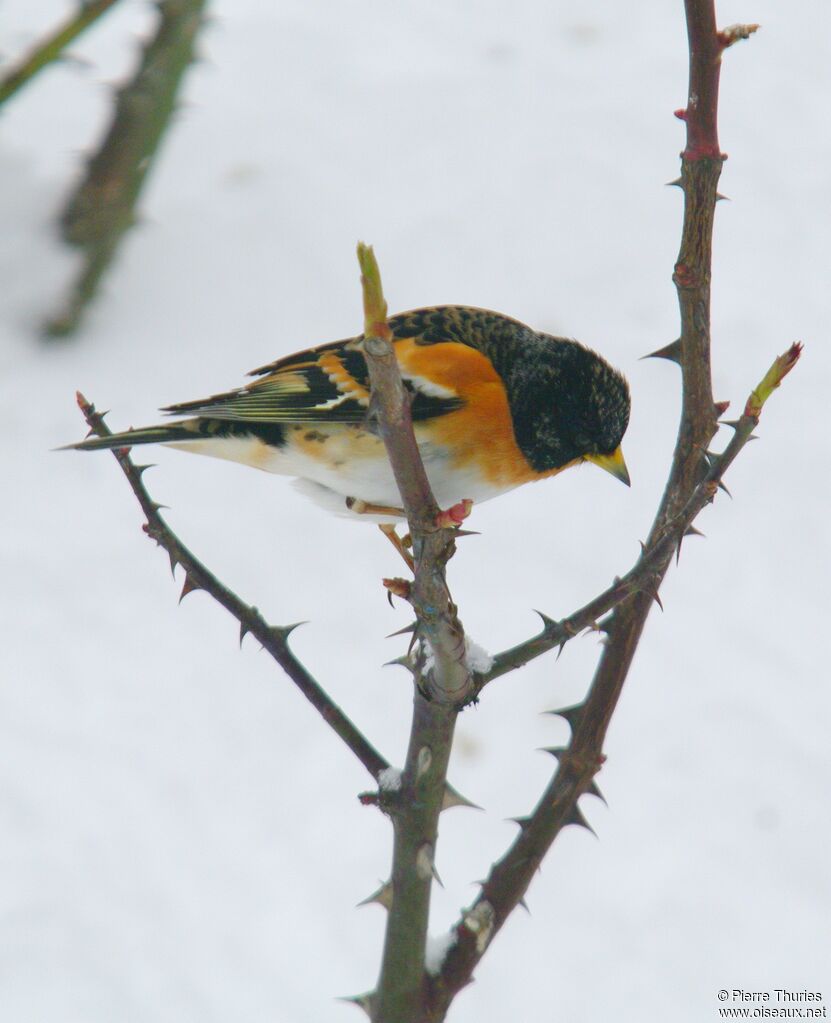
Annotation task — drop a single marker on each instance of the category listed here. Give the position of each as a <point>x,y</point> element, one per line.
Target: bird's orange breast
<point>481,431</point>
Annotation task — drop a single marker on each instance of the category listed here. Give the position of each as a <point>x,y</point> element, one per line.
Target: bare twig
<point>102,209</point>
<point>50,49</point>
<point>197,577</point>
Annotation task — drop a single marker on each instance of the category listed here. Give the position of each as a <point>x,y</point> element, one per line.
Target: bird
<point>494,404</point>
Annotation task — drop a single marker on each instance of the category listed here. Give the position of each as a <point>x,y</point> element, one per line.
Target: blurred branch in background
<point>51,48</point>
<point>102,209</point>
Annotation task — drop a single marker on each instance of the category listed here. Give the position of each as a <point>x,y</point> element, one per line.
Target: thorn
<point>671,352</point>
<point>720,407</point>
<point>466,532</point>
<point>521,822</point>
<point>722,198</point>
<point>721,486</point>
<point>571,714</point>
<point>436,877</point>
<point>154,505</point>
<point>677,183</point>
<point>734,424</point>
<point>173,563</point>
<point>399,662</point>
<point>243,632</point>
<point>453,798</point>
<point>593,790</point>
<point>689,531</point>
<point>365,1002</point>
<point>282,632</point>
<point>680,114</point>
<point>577,818</point>
<point>188,587</point>
<point>657,599</point>
<point>141,469</point>
<point>554,751</point>
<point>403,632</point>
<point>524,904</point>
<point>711,458</point>
<point>548,624</point>
<point>382,897</point>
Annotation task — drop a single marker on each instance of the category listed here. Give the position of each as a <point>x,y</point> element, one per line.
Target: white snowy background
<point>180,835</point>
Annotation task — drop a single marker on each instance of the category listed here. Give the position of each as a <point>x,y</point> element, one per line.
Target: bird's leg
<point>355,504</point>
<point>451,518</point>
<point>398,543</point>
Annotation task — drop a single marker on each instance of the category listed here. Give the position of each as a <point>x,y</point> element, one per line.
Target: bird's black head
<point>567,403</point>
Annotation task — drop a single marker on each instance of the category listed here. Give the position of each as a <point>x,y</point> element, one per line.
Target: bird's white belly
<point>337,467</point>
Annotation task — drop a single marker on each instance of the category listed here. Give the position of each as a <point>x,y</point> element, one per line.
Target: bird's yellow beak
<point>613,463</point>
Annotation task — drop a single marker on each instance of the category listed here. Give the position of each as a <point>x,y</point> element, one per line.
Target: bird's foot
<point>399,543</point>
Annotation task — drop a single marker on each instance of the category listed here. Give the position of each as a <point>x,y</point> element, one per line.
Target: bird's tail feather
<point>165,433</point>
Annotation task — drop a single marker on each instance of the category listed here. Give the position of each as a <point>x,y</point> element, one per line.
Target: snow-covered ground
<point>181,838</point>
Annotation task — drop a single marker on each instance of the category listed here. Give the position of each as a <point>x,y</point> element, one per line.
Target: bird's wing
<point>329,383</point>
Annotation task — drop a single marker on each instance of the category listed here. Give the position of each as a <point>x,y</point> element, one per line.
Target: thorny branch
<point>414,807</point>
<point>693,481</point>
<point>582,758</point>
<point>273,638</point>
<point>449,680</point>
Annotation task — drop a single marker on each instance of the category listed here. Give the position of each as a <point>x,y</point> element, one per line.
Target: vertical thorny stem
<point>578,762</point>
<point>416,805</point>
<point>700,169</point>
<point>415,815</point>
